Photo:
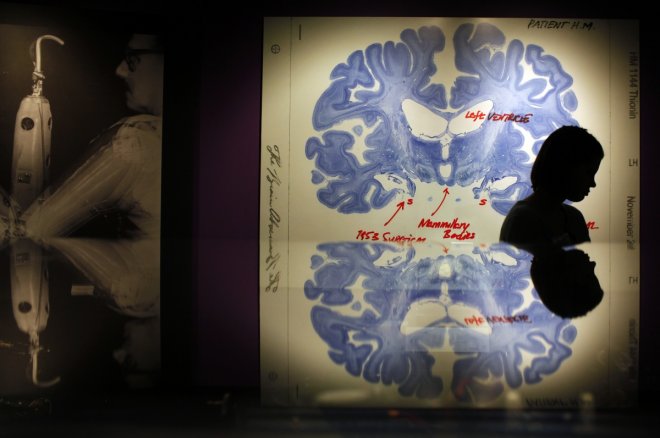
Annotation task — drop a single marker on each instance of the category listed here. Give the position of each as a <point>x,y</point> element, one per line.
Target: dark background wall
<point>210,308</point>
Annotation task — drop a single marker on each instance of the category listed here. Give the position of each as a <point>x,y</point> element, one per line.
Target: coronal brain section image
<point>392,317</point>
<point>480,129</point>
<point>401,159</point>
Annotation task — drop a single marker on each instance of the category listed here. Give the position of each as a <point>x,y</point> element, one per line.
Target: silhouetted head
<point>566,282</point>
<point>567,163</point>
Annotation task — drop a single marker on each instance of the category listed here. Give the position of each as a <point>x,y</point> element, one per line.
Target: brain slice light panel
<point>385,314</point>
<point>471,132</point>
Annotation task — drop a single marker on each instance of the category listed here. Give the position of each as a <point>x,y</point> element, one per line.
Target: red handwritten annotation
<point>497,117</point>
<point>388,237</point>
<point>454,229</point>
<point>497,319</point>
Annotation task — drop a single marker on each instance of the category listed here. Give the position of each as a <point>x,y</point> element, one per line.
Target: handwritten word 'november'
<point>497,117</point>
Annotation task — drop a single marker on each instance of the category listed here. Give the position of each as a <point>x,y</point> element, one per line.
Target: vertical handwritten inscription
<point>630,222</point>
<point>274,183</point>
<point>633,85</point>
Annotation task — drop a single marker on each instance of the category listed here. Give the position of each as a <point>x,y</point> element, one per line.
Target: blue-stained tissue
<point>386,90</point>
<point>387,315</point>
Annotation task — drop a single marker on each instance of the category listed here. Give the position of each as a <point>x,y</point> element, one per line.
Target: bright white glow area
<point>463,123</point>
<point>503,258</point>
<point>528,299</point>
<point>371,250</point>
<point>546,345</point>
<point>587,401</point>
<point>390,259</point>
<point>525,359</point>
<point>488,380</point>
<point>491,47</point>
<point>358,291</point>
<point>444,288</point>
<point>445,347</point>
<point>445,170</point>
<point>527,356</point>
<point>603,357</point>
<point>460,312</point>
<point>444,270</point>
<point>359,88</point>
<point>422,122</point>
<point>422,314</point>
<point>359,147</point>
<point>445,140</point>
<point>445,151</point>
<point>372,342</point>
<point>391,182</point>
<point>513,399</point>
<point>504,183</point>
<point>528,74</point>
<point>446,72</point>
<point>369,195</point>
<point>528,143</point>
<point>342,396</point>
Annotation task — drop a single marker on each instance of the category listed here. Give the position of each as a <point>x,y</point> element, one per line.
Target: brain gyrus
<point>385,314</point>
<point>506,95</point>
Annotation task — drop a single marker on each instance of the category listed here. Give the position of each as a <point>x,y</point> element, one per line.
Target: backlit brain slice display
<point>385,313</point>
<point>484,134</point>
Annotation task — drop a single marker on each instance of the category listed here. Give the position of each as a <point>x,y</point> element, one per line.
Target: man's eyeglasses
<point>132,56</point>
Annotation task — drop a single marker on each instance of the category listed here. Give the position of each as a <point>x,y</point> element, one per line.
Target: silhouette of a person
<point>564,170</point>
<point>565,281</point>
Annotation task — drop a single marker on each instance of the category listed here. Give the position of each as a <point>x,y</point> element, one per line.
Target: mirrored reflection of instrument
<point>29,297</point>
<point>29,178</point>
<point>122,273</point>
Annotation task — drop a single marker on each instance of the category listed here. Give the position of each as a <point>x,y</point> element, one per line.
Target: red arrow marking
<point>446,192</point>
<point>400,207</point>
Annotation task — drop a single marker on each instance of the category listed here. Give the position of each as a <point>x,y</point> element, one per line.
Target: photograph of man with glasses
<point>98,219</point>
<point>124,172</point>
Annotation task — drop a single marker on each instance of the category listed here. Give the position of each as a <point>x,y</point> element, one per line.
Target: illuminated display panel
<point>392,149</point>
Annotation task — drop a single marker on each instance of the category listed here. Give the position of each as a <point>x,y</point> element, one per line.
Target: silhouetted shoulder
<point>576,226</point>
<point>521,225</point>
<point>526,225</point>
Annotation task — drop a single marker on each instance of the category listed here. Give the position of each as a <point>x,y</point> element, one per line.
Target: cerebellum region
<point>413,133</point>
<point>385,312</point>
